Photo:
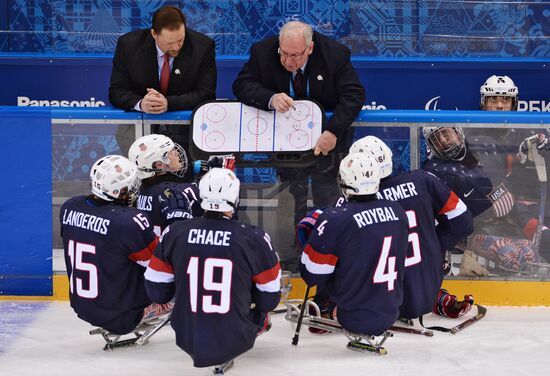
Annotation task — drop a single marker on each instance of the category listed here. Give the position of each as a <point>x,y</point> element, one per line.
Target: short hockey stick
<point>300,318</point>
<point>481,311</point>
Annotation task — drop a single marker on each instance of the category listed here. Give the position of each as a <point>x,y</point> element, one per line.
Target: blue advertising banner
<point>417,83</point>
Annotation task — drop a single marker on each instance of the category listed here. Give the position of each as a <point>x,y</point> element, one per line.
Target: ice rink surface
<point>46,338</point>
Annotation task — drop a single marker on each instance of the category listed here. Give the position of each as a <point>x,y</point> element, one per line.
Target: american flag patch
<point>503,201</point>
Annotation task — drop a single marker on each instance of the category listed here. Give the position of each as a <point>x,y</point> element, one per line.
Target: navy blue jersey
<point>148,202</point>
<point>466,178</point>
<point>357,252</point>
<point>106,248</point>
<point>219,268</point>
<point>426,199</point>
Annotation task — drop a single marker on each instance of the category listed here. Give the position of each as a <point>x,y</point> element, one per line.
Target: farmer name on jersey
<point>86,221</point>
<point>399,192</point>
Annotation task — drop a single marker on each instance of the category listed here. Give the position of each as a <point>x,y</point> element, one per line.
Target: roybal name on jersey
<point>86,221</point>
<point>399,192</point>
<point>144,203</point>
<point>209,237</point>
<point>376,215</point>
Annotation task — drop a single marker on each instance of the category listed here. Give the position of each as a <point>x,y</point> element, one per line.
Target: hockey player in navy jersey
<point>224,275</point>
<point>160,163</point>
<point>426,201</point>
<point>357,251</point>
<point>107,246</point>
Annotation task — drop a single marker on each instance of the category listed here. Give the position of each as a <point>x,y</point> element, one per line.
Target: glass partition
<point>475,153</point>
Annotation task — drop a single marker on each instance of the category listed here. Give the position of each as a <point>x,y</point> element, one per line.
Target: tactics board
<point>235,127</point>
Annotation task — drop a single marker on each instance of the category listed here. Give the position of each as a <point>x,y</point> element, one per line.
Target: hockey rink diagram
<point>236,127</point>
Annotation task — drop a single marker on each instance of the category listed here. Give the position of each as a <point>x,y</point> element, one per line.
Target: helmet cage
<point>455,151</point>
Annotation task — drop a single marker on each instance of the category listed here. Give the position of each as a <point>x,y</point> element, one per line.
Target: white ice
<point>51,340</point>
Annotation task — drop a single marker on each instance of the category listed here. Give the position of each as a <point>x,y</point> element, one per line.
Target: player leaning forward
<point>358,251</point>
<point>216,268</point>
<point>107,246</point>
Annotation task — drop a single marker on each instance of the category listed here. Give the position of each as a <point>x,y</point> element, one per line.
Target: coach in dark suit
<point>141,81</point>
<point>303,63</point>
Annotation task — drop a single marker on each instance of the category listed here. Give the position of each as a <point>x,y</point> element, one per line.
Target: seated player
<point>107,246</point>
<point>224,275</point>
<point>426,201</point>
<point>357,251</point>
<point>161,163</point>
<point>485,176</point>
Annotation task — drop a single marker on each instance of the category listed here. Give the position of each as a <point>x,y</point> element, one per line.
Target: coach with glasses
<point>301,63</point>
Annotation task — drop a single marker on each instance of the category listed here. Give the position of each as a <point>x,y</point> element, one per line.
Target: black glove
<point>174,206</point>
<point>222,161</point>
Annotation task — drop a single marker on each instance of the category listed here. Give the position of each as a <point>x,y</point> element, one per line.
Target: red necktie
<point>165,75</point>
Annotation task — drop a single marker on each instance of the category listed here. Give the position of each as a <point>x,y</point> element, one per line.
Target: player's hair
<point>168,17</point>
<point>297,26</point>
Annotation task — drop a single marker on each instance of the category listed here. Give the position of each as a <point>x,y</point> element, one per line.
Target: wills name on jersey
<point>215,264</point>
<point>106,248</point>
<point>356,252</point>
<point>426,199</point>
<point>148,202</point>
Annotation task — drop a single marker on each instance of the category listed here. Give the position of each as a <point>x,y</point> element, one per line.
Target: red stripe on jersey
<point>146,253</point>
<point>451,203</point>
<point>320,258</point>
<point>160,266</point>
<point>267,275</point>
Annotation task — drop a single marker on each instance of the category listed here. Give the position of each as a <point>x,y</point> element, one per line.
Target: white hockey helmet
<point>446,143</point>
<point>499,86</point>
<point>219,190</point>
<point>114,175</point>
<point>379,150</point>
<point>359,175</point>
<point>146,151</point>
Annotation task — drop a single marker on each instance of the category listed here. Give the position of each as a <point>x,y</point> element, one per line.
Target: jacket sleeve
<point>266,274</point>
<point>121,94</point>
<point>351,96</point>
<point>320,257</point>
<point>248,87</point>
<point>159,276</point>
<point>205,88</point>
<point>455,221</point>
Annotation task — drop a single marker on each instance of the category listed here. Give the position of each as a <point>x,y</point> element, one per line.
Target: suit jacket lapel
<point>149,52</point>
<point>181,62</point>
<point>315,75</point>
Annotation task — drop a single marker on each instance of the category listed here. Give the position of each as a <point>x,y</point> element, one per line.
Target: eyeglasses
<point>292,56</point>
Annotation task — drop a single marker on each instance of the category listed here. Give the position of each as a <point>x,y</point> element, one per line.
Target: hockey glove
<point>541,142</point>
<point>174,206</point>
<point>305,226</point>
<point>447,305</point>
<point>222,161</point>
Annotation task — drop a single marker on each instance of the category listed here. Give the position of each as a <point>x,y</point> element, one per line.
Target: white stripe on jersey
<point>458,210</point>
<point>144,263</point>
<point>271,286</point>
<point>315,268</point>
<point>156,276</point>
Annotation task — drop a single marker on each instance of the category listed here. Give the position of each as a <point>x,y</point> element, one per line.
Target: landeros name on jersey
<point>86,221</point>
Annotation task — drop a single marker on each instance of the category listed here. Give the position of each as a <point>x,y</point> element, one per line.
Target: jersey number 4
<point>76,251</point>
<point>223,286</point>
